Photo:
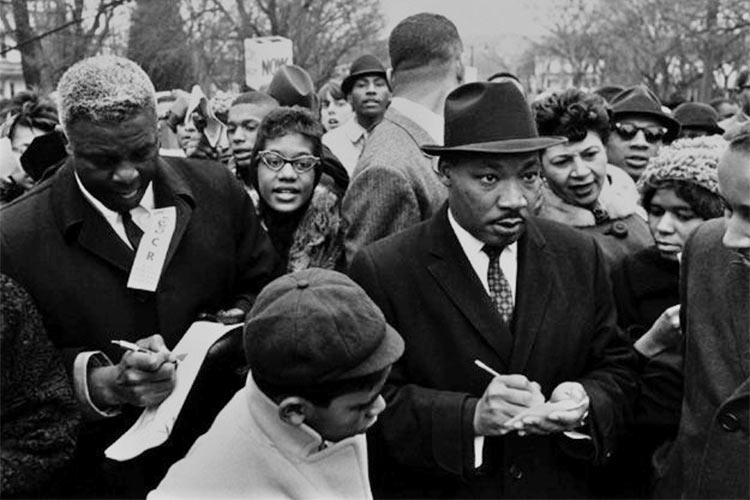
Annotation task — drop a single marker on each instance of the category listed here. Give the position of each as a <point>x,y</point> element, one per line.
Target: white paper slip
<point>152,250</point>
<point>155,424</point>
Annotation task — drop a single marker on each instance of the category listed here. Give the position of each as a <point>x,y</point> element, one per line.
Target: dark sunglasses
<point>627,131</point>
<point>276,162</point>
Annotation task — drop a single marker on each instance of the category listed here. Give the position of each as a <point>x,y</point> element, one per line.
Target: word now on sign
<point>264,56</point>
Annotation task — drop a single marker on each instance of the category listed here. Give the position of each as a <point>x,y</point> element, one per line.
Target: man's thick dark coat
<point>58,247</point>
<point>563,330</point>
<point>711,456</point>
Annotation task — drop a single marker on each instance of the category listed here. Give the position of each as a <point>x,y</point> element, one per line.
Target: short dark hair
<point>321,394</point>
<point>421,40</point>
<point>704,203</point>
<point>279,122</point>
<point>332,87</point>
<point>572,114</point>
<point>254,97</point>
<point>32,111</point>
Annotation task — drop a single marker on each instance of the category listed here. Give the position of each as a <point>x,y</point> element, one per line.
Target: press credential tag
<point>152,250</point>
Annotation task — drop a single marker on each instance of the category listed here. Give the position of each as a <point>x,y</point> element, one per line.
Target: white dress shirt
<point>87,360</point>
<point>141,214</point>
<point>480,262</point>
<point>347,143</point>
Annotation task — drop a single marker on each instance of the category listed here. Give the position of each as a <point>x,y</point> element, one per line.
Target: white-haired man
<point>123,244</point>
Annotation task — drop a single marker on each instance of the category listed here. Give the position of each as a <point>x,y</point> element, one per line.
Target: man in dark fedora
<point>697,119</point>
<point>369,93</point>
<point>483,280</point>
<point>640,128</point>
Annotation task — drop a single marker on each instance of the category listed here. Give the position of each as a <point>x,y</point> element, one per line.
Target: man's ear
<point>444,172</point>
<point>294,410</point>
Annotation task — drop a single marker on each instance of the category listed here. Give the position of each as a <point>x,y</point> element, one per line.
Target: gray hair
<point>104,89</point>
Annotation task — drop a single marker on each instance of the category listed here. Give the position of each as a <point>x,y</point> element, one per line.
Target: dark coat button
<point>515,472</point>
<point>619,229</point>
<point>729,422</point>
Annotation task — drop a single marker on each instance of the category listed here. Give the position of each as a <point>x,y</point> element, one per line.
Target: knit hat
<point>316,326</point>
<point>691,160</point>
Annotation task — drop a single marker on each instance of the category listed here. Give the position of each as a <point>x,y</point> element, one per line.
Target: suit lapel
<point>173,190</point>
<point>534,289</point>
<point>76,216</point>
<point>455,276</point>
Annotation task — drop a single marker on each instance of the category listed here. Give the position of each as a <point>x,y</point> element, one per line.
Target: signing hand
<point>504,397</point>
<point>139,379</point>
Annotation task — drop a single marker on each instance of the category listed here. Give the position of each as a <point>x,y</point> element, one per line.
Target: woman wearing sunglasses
<point>580,189</point>
<point>302,216</point>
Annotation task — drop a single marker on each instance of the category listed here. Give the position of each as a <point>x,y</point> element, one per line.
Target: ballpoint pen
<point>130,346</point>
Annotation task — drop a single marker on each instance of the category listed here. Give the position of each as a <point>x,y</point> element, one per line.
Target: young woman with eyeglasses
<point>302,215</point>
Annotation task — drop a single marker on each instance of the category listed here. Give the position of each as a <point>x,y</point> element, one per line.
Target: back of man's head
<point>104,89</point>
<point>423,40</point>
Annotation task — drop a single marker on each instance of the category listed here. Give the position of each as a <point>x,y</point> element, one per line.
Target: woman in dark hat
<point>679,190</point>
<point>580,188</point>
<point>302,215</point>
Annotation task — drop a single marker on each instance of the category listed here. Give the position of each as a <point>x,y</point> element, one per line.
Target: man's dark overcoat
<point>711,455</point>
<point>563,330</point>
<point>58,247</point>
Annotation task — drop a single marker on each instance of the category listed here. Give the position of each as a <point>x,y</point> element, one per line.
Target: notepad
<point>155,424</point>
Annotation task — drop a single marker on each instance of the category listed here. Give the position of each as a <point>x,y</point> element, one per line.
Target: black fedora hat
<point>487,117</point>
<point>639,100</point>
<point>365,65</point>
<point>698,115</point>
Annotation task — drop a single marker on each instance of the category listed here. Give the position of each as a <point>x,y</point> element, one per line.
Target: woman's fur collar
<point>619,197</point>
<point>318,239</point>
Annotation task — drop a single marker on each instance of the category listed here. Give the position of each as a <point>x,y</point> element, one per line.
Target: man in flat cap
<point>319,351</point>
<point>483,282</point>
<point>123,244</point>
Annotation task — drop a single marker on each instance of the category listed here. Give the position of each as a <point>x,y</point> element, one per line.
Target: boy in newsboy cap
<point>319,351</point>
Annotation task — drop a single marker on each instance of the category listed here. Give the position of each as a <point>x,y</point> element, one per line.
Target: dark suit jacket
<point>711,456</point>
<point>57,246</point>
<point>563,330</point>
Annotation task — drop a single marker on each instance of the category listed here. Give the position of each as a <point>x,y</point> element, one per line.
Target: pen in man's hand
<point>130,346</point>
<point>486,368</point>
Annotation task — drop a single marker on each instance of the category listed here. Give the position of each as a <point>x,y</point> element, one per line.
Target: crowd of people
<point>440,289</point>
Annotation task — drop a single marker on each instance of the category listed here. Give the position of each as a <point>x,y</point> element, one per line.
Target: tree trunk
<point>31,52</point>
<point>708,55</point>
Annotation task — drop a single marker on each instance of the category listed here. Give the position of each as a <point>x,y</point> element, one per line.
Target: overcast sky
<point>475,17</point>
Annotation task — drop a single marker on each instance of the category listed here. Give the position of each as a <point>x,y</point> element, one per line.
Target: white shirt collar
<point>430,121</point>
<point>147,202</point>
<point>353,130</point>
<point>470,244</point>
<point>479,260</point>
